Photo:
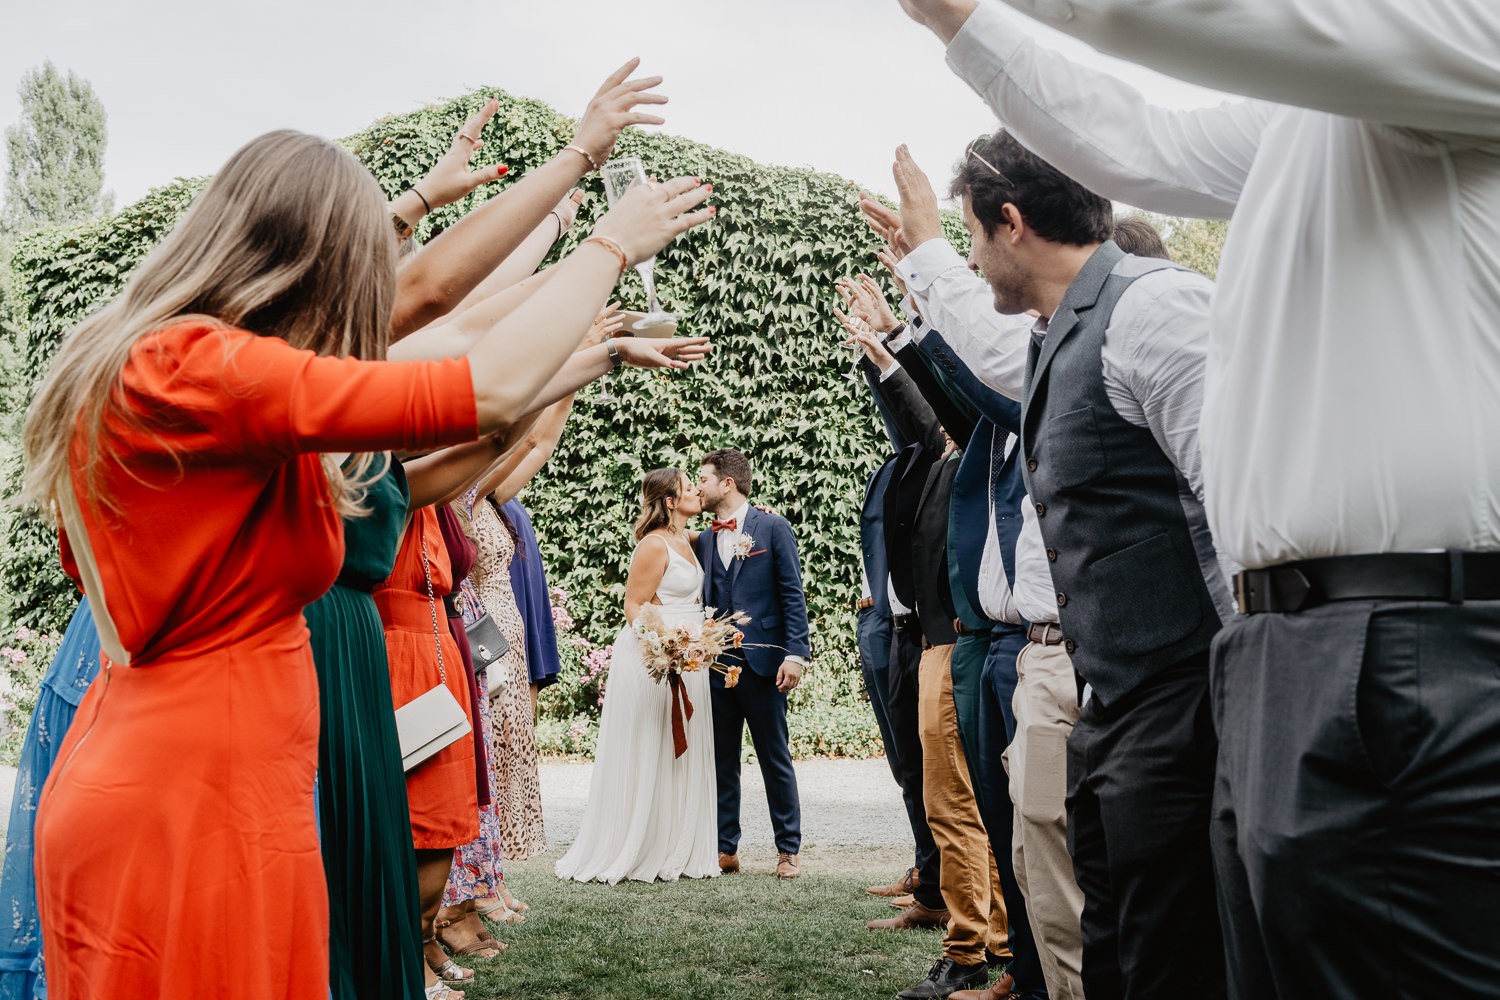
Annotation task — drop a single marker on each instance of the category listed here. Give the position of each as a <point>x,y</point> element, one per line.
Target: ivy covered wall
<point>758,280</point>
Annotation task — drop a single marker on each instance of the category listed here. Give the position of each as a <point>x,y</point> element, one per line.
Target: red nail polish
<point>709,188</point>
<point>713,210</point>
<point>502,170</point>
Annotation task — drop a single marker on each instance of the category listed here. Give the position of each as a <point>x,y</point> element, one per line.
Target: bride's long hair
<point>657,487</point>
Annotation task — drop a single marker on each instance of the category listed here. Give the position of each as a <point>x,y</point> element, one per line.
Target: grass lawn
<point>744,935</point>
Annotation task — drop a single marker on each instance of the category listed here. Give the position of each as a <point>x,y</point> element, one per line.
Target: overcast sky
<point>831,84</point>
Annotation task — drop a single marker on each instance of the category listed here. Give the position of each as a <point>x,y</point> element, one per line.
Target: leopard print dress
<point>516,783</point>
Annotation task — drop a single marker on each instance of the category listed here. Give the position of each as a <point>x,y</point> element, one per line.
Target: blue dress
<point>73,669</point>
<point>528,579</point>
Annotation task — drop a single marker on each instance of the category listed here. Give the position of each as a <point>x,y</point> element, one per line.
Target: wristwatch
<point>615,361</point>
<point>402,227</point>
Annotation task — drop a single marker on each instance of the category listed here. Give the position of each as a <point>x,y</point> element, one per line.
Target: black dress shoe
<point>947,976</point>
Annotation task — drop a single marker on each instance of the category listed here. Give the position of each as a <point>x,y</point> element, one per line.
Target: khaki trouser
<point>1046,706</point>
<point>969,879</point>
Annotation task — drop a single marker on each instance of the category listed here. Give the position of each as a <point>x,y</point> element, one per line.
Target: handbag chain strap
<point>437,639</point>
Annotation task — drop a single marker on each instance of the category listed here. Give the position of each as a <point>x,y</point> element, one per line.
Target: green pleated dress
<point>374,915</point>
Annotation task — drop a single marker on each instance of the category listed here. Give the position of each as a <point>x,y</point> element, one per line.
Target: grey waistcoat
<point>1130,591</point>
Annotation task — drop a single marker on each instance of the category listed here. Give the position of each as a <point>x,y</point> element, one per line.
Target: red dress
<point>176,848</point>
<point>440,792</point>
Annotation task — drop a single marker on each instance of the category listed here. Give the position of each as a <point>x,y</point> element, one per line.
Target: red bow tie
<point>732,524</point>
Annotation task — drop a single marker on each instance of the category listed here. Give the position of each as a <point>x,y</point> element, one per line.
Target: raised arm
<point>1430,65</point>
<point>1098,129</point>
<point>448,269</point>
<point>520,356</point>
<point>543,443</point>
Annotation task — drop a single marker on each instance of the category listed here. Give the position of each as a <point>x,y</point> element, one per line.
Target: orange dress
<point>176,847</point>
<point>440,792</point>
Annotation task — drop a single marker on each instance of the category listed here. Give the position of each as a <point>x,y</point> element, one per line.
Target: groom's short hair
<point>731,464</point>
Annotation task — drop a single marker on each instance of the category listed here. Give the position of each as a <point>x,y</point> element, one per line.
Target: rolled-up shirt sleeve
<point>1101,131</point>
<point>1429,65</point>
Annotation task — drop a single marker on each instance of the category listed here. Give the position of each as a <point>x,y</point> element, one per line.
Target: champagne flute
<point>620,175</point>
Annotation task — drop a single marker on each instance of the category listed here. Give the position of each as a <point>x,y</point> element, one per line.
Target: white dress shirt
<point>725,541</point>
<point>1153,362</point>
<point>1036,598</point>
<point>995,600</point>
<point>1353,373</point>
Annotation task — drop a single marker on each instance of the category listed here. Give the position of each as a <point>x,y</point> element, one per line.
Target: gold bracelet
<point>612,247</point>
<point>583,153</point>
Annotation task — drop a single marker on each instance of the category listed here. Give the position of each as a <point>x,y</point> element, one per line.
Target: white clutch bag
<point>428,724</point>
<point>434,719</point>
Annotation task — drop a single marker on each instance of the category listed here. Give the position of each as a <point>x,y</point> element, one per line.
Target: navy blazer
<point>983,461</point>
<point>767,585</point>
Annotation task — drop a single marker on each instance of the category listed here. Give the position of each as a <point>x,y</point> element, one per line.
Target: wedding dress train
<point>651,815</point>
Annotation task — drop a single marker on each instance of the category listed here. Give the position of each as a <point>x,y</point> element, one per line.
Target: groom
<point>749,560</point>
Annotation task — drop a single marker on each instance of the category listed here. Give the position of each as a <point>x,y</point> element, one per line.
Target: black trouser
<point>1140,787</point>
<point>901,708</point>
<point>1357,814</point>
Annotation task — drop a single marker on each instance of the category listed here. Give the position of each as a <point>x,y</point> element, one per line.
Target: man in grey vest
<point>1111,385</point>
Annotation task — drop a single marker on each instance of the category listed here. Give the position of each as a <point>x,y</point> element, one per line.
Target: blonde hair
<point>291,239</point>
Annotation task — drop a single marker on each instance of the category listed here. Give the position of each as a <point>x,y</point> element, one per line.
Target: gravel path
<point>845,803</point>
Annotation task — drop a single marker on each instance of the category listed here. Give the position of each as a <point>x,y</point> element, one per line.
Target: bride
<point>652,815</point>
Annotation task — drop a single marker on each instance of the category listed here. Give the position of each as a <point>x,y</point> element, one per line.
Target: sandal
<point>500,913</point>
<point>440,991</point>
<point>483,945</point>
<point>449,972</point>
<point>510,901</point>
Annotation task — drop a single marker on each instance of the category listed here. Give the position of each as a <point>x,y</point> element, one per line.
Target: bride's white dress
<point>651,815</point>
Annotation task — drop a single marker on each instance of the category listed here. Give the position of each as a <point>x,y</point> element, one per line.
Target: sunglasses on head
<point>973,151</point>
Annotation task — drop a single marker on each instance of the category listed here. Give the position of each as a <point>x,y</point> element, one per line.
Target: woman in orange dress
<point>178,436</point>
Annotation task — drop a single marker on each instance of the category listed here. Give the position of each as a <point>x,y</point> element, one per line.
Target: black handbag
<point>486,642</point>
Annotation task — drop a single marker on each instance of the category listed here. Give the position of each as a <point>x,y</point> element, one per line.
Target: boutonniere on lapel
<point>743,546</point>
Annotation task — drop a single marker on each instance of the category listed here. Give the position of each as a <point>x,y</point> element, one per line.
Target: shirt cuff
<point>896,343</point>
<point>886,373</point>
<point>924,265</point>
<point>982,47</point>
<point>800,661</point>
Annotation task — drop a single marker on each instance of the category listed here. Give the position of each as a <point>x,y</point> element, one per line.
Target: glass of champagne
<point>620,175</point>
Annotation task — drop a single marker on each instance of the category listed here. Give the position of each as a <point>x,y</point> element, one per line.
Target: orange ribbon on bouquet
<point>682,711</point>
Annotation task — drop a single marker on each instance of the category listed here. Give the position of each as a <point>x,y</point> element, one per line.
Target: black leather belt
<point>1048,634</point>
<point>863,603</point>
<point>905,621</point>
<point>961,628</point>
<point>1452,576</point>
<point>450,605</point>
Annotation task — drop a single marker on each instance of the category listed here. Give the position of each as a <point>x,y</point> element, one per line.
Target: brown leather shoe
<point>1000,991</point>
<point>903,886</point>
<point>729,863</point>
<point>787,865</point>
<point>902,902</point>
<point>915,915</point>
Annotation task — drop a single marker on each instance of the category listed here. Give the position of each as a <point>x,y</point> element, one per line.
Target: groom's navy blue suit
<point>766,584</point>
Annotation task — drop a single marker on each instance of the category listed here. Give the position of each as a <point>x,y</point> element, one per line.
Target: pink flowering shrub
<point>24,660</point>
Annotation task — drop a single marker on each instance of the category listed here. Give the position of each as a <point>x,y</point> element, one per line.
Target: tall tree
<point>55,164</point>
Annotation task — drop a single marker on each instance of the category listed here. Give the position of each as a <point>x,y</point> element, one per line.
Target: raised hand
<point>613,109</point>
<point>675,352</point>
<point>866,339</point>
<point>944,17</point>
<point>450,178</point>
<point>886,223</point>
<point>649,216</point>
<point>607,324</point>
<point>888,261</point>
<point>920,220</point>
<point>867,303</point>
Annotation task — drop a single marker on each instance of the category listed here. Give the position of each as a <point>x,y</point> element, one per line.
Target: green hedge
<point>758,280</point>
